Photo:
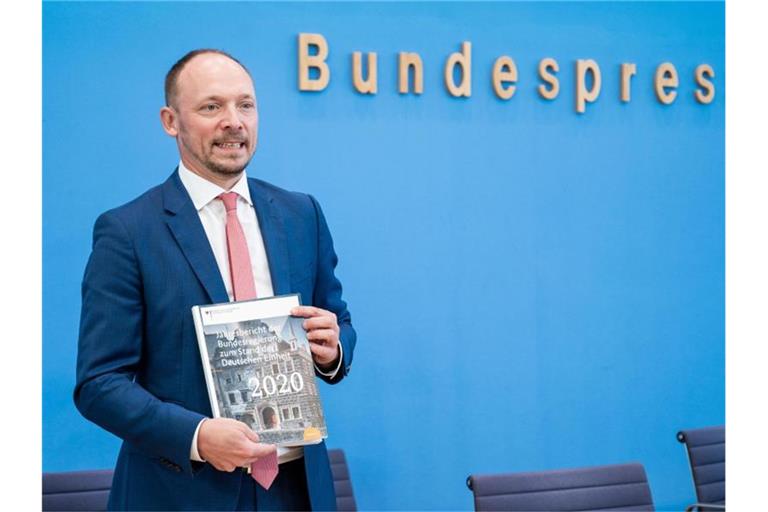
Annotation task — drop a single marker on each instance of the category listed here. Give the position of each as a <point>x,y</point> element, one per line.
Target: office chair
<point>77,490</point>
<point>615,487</point>
<point>706,456</point>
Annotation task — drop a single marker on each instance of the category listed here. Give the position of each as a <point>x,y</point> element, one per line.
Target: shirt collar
<point>202,191</point>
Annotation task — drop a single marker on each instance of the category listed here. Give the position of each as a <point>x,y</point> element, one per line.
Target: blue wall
<point>532,288</point>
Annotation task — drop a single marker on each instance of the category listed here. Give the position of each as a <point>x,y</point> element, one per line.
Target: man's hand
<point>323,335</point>
<point>228,444</point>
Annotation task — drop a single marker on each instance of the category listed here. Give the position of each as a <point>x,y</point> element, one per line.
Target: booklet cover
<point>259,369</point>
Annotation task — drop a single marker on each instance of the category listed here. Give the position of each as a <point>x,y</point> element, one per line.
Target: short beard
<point>226,171</point>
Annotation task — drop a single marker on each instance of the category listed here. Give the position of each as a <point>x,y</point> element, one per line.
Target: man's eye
<point>211,107</point>
<point>247,106</point>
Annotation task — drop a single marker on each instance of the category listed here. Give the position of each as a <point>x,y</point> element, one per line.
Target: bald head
<point>172,77</point>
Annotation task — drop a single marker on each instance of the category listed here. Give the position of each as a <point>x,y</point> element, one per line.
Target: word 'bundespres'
<point>315,74</point>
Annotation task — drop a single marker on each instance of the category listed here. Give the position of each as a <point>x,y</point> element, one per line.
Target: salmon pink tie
<point>240,269</point>
<point>264,470</point>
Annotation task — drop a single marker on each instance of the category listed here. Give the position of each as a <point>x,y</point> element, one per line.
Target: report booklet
<point>259,369</point>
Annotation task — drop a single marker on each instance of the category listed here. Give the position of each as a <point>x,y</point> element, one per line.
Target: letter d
<point>464,61</point>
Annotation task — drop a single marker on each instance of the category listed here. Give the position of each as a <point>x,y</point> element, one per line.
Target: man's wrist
<point>331,369</point>
<point>194,452</point>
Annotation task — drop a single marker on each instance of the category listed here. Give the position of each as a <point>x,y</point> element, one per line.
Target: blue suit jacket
<point>139,373</point>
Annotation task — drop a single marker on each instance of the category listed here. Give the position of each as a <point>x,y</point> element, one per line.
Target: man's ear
<point>168,118</point>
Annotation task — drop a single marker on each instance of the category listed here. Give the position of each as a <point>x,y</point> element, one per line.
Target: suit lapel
<point>272,229</point>
<point>184,222</point>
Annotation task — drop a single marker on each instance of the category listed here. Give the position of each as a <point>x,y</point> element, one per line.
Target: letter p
<point>584,96</point>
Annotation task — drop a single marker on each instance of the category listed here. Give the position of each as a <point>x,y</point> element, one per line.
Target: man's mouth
<point>229,145</point>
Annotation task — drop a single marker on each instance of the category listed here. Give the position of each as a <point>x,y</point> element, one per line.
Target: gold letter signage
<point>316,61</point>
<point>315,74</point>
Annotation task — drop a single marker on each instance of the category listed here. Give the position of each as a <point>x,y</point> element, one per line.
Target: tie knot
<point>230,200</point>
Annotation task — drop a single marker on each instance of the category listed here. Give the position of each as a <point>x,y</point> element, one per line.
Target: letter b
<point>317,61</point>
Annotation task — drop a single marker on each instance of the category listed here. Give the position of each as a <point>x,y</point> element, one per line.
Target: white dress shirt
<point>213,216</point>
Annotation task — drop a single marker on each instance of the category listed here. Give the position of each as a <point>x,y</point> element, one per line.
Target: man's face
<point>215,119</point>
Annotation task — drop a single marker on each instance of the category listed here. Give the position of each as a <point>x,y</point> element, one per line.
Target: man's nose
<point>231,119</point>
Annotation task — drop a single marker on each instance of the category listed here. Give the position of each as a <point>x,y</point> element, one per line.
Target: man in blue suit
<point>139,373</point>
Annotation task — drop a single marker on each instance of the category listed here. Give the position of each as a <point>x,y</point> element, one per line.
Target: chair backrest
<point>618,487</point>
<point>342,484</point>
<point>77,490</point>
<point>706,455</point>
